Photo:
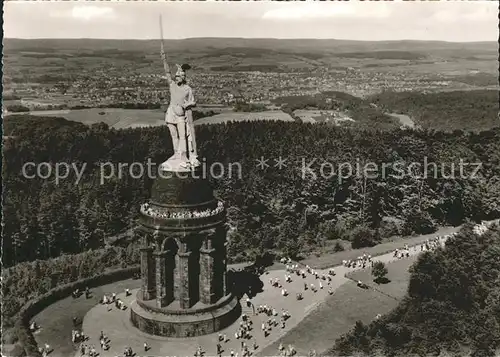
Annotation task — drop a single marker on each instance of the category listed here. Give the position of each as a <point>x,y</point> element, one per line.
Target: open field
<point>321,116</point>
<point>56,319</point>
<point>239,116</point>
<point>134,118</point>
<point>115,118</point>
<point>398,275</point>
<point>404,119</point>
<point>338,314</point>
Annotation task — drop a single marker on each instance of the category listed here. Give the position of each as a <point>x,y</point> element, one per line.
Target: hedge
<point>33,307</point>
<point>29,280</point>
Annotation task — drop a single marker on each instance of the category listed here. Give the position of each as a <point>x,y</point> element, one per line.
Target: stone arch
<point>169,244</point>
<point>168,250</point>
<point>193,244</point>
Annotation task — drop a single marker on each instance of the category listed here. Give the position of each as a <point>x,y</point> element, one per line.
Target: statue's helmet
<point>181,70</point>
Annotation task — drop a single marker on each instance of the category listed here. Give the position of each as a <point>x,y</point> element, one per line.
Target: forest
<point>44,219</point>
<point>452,305</point>
<point>58,232</point>
<point>475,110</point>
<point>447,111</point>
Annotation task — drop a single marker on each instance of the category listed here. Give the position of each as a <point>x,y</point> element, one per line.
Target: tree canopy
<point>452,305</point>
<point>44,218</point>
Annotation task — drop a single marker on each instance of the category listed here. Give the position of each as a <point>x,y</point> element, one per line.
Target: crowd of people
<point>365,260</point>
<point>482,227</point>
<point>148,210</point>
<point>244,333</point>
<point>119,304</point>
<point>77,293</point>
<point>45,350</point>
<point>78,337</point>
<point>359,262</point>
<point>273,319</point>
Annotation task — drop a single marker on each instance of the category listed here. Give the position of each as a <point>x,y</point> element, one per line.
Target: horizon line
<point>237,38</point>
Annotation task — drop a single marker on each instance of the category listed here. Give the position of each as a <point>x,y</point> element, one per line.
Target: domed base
<point>185,323</point>
<point>179,164</point>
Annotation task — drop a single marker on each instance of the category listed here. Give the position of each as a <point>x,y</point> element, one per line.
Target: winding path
<point>117,326</point>
<point>314,313</point>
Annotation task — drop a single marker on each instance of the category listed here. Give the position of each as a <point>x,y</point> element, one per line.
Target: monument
<point>184,290</point>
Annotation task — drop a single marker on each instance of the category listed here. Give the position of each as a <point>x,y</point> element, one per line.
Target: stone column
<point>207,274</point>
<point>160,279</point>
<point>223,256</point>
<point>147,273</point>
<point>169,277</point>
<point>182,276</point>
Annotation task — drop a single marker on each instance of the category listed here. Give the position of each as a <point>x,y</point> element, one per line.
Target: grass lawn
<point>338,314</point>
<point>115,117</point>
<point>245,116</point>
<point>398,275</point>
<point>57,319</point>
<point>317,331</point>
<point>334,259</point>
<point>132,118</point>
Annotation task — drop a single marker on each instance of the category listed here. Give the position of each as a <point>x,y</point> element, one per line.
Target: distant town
<point>111,85</point>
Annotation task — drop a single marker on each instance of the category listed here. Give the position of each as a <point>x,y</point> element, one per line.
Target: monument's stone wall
<point>183,260</point>
<point>188,324</point>
<point>182,189</point>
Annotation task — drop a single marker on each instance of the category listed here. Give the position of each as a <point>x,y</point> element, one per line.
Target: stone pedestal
<point>147,274</point>
<point>207,277</point>
<point>183,260</point>
<point>182,278</point>
<point>161,286</point>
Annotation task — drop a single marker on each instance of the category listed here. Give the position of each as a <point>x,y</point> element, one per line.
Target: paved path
<point>117,326</point>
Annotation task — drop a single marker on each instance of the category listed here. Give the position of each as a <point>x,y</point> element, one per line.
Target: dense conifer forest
<point>287,210</point>
<point>56,232</point>
<point>452,306</point>
<point>447,111</point>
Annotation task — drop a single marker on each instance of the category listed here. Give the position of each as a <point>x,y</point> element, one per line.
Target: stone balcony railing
<point>182,223</point>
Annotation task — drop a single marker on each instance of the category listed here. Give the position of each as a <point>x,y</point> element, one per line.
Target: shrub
<point>391,227</point>
<point>338,247</point>
<point>31,280</point>
<point>17,108</point>
<point>364,237</point>
<point>343,229</point>
<point>379,271</point>
<point>419,222</point>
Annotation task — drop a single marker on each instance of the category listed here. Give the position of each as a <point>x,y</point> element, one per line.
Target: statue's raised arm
<point>168,76</point>
<point>164,56</point>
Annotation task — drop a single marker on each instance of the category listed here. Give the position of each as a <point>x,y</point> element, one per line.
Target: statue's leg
<point>182,147</point>
<point>193,157</point>
<point>175,138</point>
<point>193,154</point>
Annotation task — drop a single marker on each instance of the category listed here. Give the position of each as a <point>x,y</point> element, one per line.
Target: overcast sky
<point>440,20</point>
